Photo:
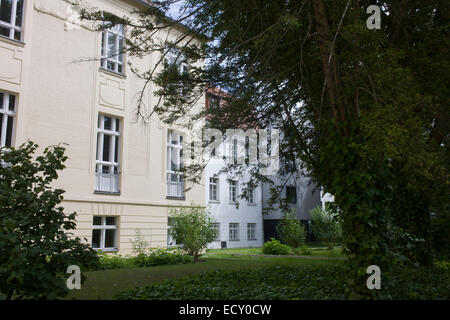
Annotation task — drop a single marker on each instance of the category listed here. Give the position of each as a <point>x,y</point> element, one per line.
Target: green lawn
<point>232,252</point>
<point>105,284</point>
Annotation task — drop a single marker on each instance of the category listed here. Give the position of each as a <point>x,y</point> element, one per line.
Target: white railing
<point>107,182</point>
<point>175,185</point>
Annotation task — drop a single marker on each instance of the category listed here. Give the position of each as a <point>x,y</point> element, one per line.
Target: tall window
<point>217,229</point>
<point>104,233</point>
<point>232,191</point>
<point>251,231</point>
<point>234,151</point>
<point>108,148</point>
<point>7,114</point>
<point>234,232</point>
<point>175,183</point>
<point>11,18</point>
<point>174,59</point>
<point>251,194</point>
<point>291,194</point>
<point>112,49</point>
<point>214,189</point>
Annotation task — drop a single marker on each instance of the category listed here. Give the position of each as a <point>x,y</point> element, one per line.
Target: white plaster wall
<point>224,212</point>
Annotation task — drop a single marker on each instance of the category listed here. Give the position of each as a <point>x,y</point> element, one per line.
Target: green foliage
<point>148,258</point>
<point>306,251</point>
<point>139,245</point>
<point>287,283</point>
<point>35,242</point>
<point>275,247</point>
<point>373,123</point>
<point>113,261</point>
<point>325,227</point>
<point>440,233</point>
<point>193,228</point>
<point>291,231</point>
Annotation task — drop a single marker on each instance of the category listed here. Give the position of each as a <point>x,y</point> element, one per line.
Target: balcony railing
<point>175,185</point>
<point>107,182</point>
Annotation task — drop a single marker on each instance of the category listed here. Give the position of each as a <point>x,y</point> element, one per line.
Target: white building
<point>239,221</point>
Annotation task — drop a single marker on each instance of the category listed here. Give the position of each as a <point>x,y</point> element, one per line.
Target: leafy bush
<point>324,282</point>
<point>35,243</point>
<point>275,247</point>
<point>306,251</point>
<point>161,257</point>
<point>114,261</point>
<point>440,233</point>
<point>151,257</point>
<point>325,227</point>
<point>291,231</point>
<point>193,228</point>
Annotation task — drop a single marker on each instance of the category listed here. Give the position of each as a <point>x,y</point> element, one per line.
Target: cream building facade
<point>120,174</point>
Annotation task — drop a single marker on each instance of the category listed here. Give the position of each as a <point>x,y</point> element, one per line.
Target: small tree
<point>35,244</point>
<point>325,227</point>
<point>139,245</point>
<point>193,228</point>
<point>291,231</point>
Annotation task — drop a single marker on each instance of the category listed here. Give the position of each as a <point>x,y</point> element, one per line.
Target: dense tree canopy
<point>365,111</point>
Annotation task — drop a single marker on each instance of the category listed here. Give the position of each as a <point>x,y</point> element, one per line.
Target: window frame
<point>288,199</point>
<point>11,25</point>
<point>251,231</point>
<point>232,193</point>
<point>251,195</point>
<point>233,231</point>
<point>214,183</point>
<point>118,58</point>
<point>5,106</point>
<point>103,227</point>
<point>179,183</point>
<point>112,164</point>
<point>217,228</point>
<point>173,57</point>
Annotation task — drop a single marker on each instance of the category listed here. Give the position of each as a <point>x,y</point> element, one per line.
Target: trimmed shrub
<point>275,247</point>
<point>152,257</point>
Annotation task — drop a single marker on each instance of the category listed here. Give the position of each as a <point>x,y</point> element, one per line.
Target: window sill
<point>213,201</point>
<point>107,249</point>
<point>107,193</point>
<point>12,41</point>
<point>113,73</point>
<point>252,204</point>
<point>175,198</point>
<point>234,240</point>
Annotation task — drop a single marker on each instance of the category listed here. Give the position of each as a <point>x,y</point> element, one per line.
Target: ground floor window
<point>217,228</point>
<point>251,231</point>
<point>234,231</point>
<point>104,233</point>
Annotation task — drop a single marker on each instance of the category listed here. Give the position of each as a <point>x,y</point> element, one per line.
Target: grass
<point>231,252</point>
<point>105,284</point>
